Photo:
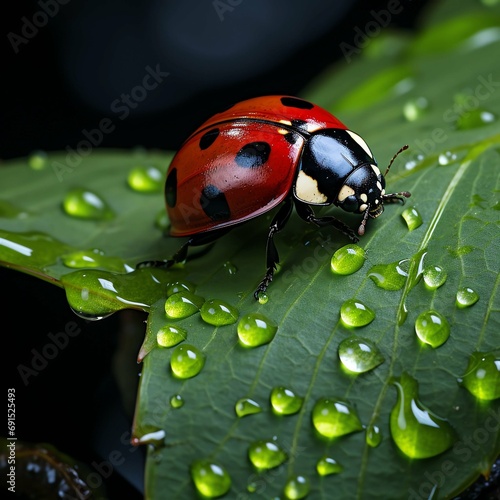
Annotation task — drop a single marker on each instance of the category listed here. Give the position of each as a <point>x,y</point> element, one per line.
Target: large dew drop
<point>466,297</point>
<point>327,465</point>
<point>210,478</point>
<point>85,204</point>
<point>246,406</point>
<point>333,418</point>
<point>348,259</point>
<point>186,361</point>
<point>434,277</point>
<point>482,375</point>
<point>145,179</point>
<point>170,335</point>
<point>432,328</point>
<point>355,314</point>
<point>412,218</point>
<point>218,313</point>
<point>255,329</point>
<point>417,432</point>
<point>183,304</point>
<point>359,355</point>
<point>390,276</point>
<point>266,454</point>
<point>297,487</point>
<point>284,401</point>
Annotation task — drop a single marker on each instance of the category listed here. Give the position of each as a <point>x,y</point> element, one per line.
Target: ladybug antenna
<point>361,228</point>
<point>401,149</point>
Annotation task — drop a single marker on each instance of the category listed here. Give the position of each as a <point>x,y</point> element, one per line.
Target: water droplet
<point>176,401</point>
<point>161,220</point>
<point>482,375</point>
<point>183,304</point>
<point>359,355</point>
<point>447,157</point>
<point>284,401</point>
<point>38,160</point>
<point>333,418</point>
<point>218,313</point>
<point>412,218</point>
<point>146,179</point>
<point>348,259</point>
<point>246,406</point>
<point>10,211</point>
<point>355,313</point>
<point>415,108</point>
<point>390,276</point>
<point>373,436</point>
<point>180,286</point>
<point>266,454</point>
<point>434,277</point>
<point>414,161</point>
<point>432,328</point>
<point>85,204</point>
<point>262,297</point>
<point>417,432</point>
<point>170,335</point>
<point>297,487</point>
<point>474,119</point>
<point>186,361</point>
<point>94,258</point>
<point>327,465</point>
<point>459,251</point>
<point>466,297</point>
<point>255,329</point>
<point>210,478</point>
<point>230,268</point>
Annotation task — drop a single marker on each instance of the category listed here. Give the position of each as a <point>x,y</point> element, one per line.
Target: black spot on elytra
<point>253,154</point>
<point>214,203</point>
<point>171,188</point>
<point>208,138</point>
<point>291,137</point>
<point>293,102</point>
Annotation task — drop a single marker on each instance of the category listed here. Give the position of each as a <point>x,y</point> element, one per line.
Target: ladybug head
<point>364,192</point>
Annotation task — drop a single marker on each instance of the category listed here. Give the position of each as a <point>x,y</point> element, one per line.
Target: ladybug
<point>262,153</point>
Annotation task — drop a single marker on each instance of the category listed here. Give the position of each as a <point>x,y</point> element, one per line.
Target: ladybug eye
<point>350,204</point>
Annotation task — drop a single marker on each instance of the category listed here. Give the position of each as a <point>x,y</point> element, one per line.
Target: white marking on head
<point>363,197</point>
<point>382,192</point>
<point>377,202</point>
<point>344,192</point>
<point>306,189</point>
<point>379,186</point>
<point>376,170</point>
<point>363,207</point>
<point>361,142</point>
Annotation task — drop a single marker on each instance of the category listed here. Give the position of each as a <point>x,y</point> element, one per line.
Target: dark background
<point>62,78</point>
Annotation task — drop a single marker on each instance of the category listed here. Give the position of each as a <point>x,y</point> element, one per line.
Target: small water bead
<point>92,258</point>
<point>447,157</point>
<point>161,220</point>
<point>183,304</point>
<point>297,487</point>
<point>328,465</point>
<point>359,355</point>
<point>210,478</point>
<point>10,211</point>
<point>180,286</point>
<point>255,329</point>
<point>415,108</point>
<point>176,401</point>
<point>246,406</point>
<point>262,297</point>
<point>459,251</point>
<point>417,432</point>
<point>348,259</point>
<point>38,160</point>
<point>390,276</point>
<point>466,297</point>
<point>412,218</point>
<point>84,204</point>
<point>373,436</point>
<point>333,418</point>
<point>284,401</point>
<point>482,375</point>
<point>230,268</point>
<point>474,119</point>
<point>413,162</point>
<point>432,328</point>
<point>218,313</point>
<point>186,361</point>
<point>266,454</point>
<point>170,335</point>
<point>146,179</point>
<point>356,314</point>
<point>434,277</point>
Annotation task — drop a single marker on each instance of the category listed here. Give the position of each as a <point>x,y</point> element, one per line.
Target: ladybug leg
<point>395,197</point>
<point>272,257</point>
<point>306,212</point>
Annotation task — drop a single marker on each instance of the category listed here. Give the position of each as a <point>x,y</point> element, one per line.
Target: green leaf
<point>452,174</point>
